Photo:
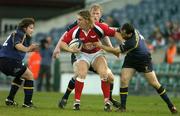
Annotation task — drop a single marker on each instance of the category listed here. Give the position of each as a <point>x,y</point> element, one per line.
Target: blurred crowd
<point>159,23</point>
<point>39,62</point>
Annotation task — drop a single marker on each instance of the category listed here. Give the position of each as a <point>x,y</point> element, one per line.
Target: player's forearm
<point>110,49</point>
<point>57,46</point>
<point>107,48</point>
<point>22,48</point>
<point>65,47</point>
<point>118,37</point>
<point>106,41</point>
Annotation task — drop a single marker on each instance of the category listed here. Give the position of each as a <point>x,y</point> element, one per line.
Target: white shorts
<point>89,58</point>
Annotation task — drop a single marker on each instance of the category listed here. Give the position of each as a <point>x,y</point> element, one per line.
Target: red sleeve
<point>108,31</point>
<point>67,37</point>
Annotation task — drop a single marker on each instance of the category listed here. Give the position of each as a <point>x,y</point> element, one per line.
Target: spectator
<point>159,41</point>
<point>176,33</point>
<point>45,68</point>
<point>170,52</point>
<point>168,29</point>
<point>34,60</point>
<point>149,45</point>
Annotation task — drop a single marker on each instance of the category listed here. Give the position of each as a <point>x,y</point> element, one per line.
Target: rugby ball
<point>75,43</point>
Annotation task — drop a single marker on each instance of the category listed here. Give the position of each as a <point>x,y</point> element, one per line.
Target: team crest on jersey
<point>93,36</point>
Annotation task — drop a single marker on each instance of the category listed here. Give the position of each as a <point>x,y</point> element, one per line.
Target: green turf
<point>91,105</point>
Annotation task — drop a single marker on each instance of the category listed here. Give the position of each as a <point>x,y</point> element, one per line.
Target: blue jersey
<point>135,46</point>
<point>0,46</point>
<point>138,57</point>
<point>8,49</point>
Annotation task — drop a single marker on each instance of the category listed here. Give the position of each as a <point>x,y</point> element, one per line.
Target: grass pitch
<point>91,105</point>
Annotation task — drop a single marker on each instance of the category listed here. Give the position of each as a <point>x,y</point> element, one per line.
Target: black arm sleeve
<point>71,26</point>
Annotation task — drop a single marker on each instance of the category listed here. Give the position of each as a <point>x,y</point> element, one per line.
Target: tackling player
<point>138,58</point>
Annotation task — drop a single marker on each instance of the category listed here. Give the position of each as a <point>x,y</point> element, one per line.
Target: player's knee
<point>81,74</point>
<point>110,79</point>
<point>124,81</point>
<point>28,76</point>
<point>80,79</point>
<point>74,77</point>
<point>104,76</point>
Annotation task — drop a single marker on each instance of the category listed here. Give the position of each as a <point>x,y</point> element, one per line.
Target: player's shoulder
<point>70,26</point>
<point>73,29</point>
<point>19,33</point>
<point>101,25</point>
<point>101,20</point>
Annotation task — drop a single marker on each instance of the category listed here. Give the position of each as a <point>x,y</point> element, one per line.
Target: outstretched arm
<point>119,37</point>
<point>115,51</point>
<point>22,48</point>
<point>106,41</point>
<point>56,51</point>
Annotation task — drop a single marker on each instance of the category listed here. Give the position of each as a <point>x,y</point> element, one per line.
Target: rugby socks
<point>69,89</point>
<point>123,96</point>
<point>16,83</point>
<point>28,91</point>
<point>111,90</point>
<point>105,86</point>
<point>162,93</point>
<point>79,84</point>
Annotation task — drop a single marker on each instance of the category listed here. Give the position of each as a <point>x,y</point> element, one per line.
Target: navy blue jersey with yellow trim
<point>135,46</point>
<point>8,49</point>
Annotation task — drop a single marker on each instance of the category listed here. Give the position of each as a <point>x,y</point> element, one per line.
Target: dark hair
<point>128,28</point>
<point>43,42</point>
<point>25,22</point>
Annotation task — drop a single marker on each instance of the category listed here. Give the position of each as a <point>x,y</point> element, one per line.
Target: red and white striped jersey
<point>94,34</point>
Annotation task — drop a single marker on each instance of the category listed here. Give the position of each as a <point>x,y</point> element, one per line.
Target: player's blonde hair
<point>95,7</point>
<point>87,16</point>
